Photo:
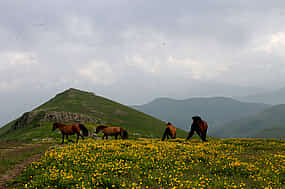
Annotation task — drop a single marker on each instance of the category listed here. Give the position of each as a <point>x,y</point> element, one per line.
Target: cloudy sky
<point>136,50</point>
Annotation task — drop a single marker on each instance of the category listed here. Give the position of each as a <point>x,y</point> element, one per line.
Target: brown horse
<point>169,131</point>
<point>112,131</point>
<point>199,126</point>
<point>70,130</point>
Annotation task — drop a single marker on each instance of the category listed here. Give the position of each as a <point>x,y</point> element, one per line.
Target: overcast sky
<point>133,51</point>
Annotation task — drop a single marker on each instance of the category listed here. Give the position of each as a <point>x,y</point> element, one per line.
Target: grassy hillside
<point>216,111</point>
<point>108,112</point>
<point>267,124</point>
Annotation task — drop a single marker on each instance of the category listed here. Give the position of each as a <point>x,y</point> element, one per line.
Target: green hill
<point>216,111</point>
<point>78,106</point>
<point>267,124</point>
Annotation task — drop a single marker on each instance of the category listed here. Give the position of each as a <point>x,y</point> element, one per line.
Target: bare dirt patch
<point>18,167</point>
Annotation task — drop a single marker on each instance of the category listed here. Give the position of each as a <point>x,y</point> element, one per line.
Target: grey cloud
<point>68,36</point>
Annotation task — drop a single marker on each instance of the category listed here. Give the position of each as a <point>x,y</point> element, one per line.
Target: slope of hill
<point>216,111</point>
<point>78,106</point>
<point>267,124</point>
<point>273,97</point>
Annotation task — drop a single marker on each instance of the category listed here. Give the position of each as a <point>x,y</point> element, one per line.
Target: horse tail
<point>174,133</point>
<point>166,132</point>
<point>84,129</point>
<point>124,133</point>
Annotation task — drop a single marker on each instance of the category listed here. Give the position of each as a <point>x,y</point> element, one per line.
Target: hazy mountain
<point>272,97</point>
<point>79,106</point>
<point>267,124</point>
<point>216,111</point>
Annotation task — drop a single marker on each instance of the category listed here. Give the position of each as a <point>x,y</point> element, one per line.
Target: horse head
<point>196,118</point>
<point>99,128</point>
<point>54,126</point>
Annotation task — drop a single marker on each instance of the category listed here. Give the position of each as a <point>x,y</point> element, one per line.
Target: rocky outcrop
<point>69,117</point>
<point>27,119</point>
<point>36,117</point>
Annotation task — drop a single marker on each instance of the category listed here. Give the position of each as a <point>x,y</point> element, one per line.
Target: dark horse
<point>169,131</point>
<point>70,130</point>
<point>112,131</point>
<point>200,127</point>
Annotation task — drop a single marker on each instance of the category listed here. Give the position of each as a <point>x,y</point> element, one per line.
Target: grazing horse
<point>112,131</point>
<point>199,126</point>
<point>70,130</point>
<point>169,131</point>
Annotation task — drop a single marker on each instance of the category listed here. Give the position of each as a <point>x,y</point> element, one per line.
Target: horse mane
<point>196,118</point>
<point>101,126</point>
<point>169,123</point>
<point>124,133</point>
<point>58,124</point>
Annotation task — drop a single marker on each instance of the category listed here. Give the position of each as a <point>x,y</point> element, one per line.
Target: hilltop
<point>215,110</point>
<point>75,105</point>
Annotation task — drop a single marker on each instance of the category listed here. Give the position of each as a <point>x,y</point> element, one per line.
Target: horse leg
<point>204,136</point>
<point>200,133</point>
<point>67,138</point>
<point>77,138</point>
<point>164,135</point>
<point>191,133</point>
<point>116,137</point>
<point>103,137</point>
<point>62,139</point>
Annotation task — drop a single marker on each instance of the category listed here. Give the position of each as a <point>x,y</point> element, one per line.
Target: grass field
<point>225,163</point>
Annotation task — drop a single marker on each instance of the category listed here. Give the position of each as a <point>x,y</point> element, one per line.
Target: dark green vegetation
<point>267,124</point>
<point>216,111</point>
<point>87,105</point>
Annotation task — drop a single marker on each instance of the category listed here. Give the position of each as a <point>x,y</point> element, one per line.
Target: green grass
<point>227,163</point>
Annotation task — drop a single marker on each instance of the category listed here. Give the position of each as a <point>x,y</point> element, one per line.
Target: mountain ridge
<point>215,110</point>
<point>270,121</point>
<point>273,97</point>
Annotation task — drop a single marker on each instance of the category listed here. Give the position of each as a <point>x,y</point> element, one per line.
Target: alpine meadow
<point>142,94</point>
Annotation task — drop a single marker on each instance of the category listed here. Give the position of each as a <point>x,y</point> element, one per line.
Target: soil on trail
<point>18,168</point>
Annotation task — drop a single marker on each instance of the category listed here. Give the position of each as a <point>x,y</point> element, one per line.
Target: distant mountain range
<point>226,117</point>
<point>73,106</point>
<point>272,97</point>
<point>267,124</point>
<point>216,111</point>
